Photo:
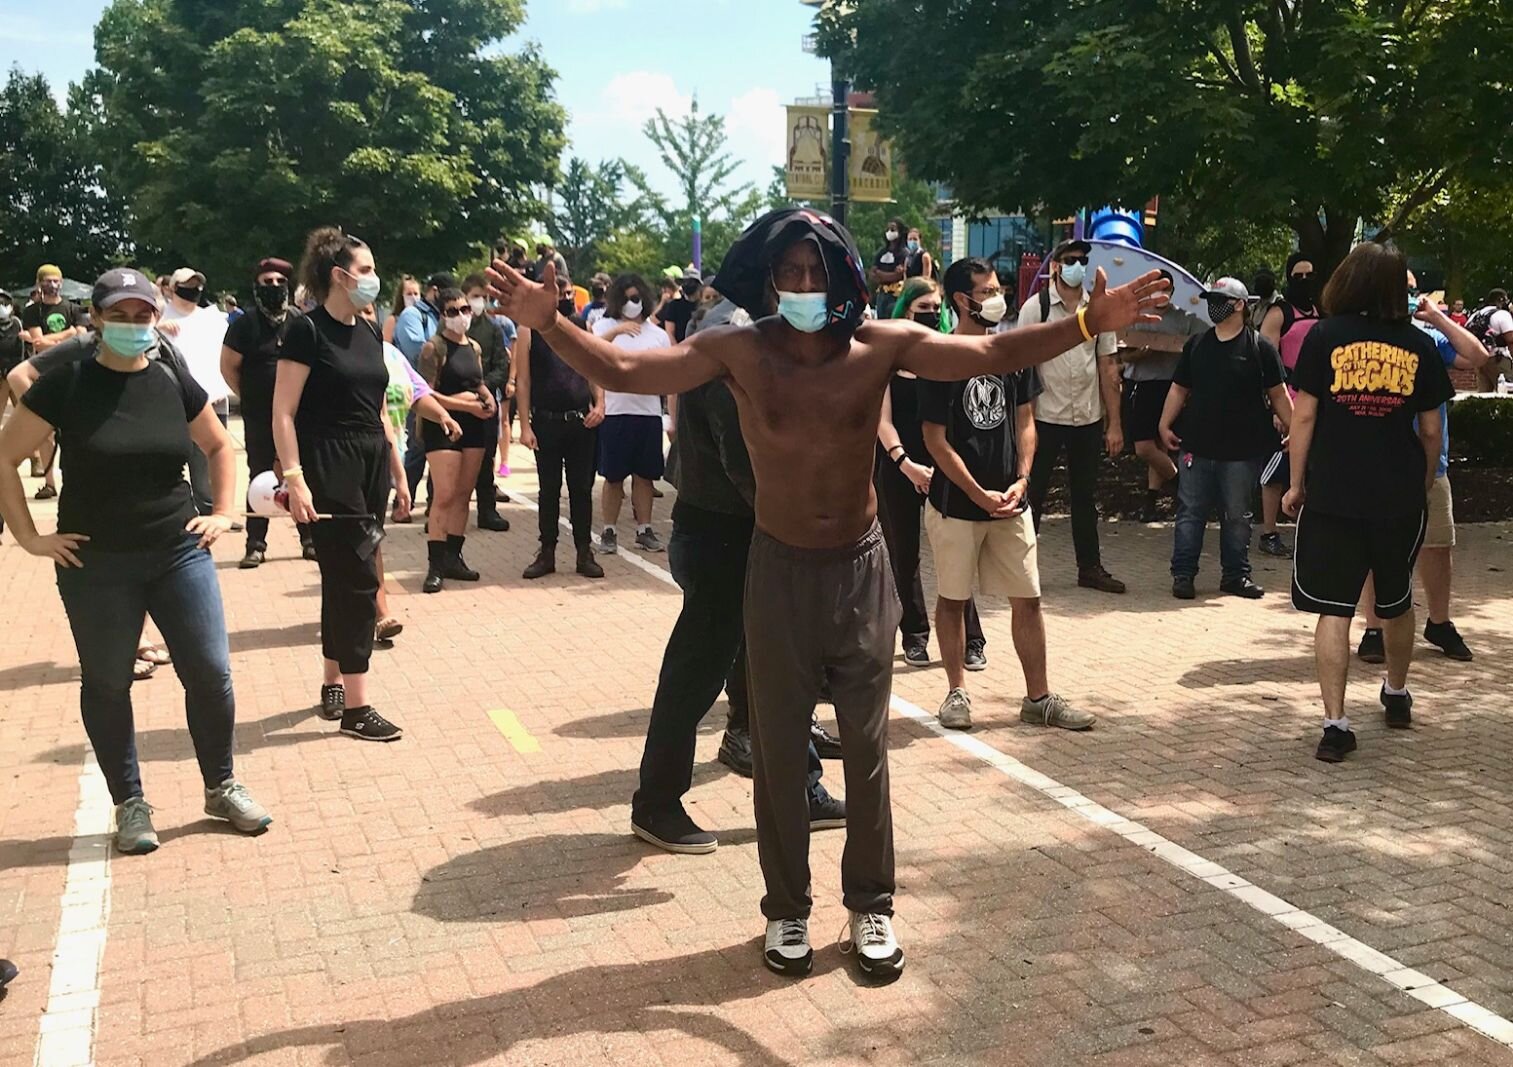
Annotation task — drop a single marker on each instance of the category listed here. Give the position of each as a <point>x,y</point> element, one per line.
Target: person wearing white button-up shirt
<point>1076,412</point>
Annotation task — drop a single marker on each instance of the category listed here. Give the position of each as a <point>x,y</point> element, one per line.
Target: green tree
<point>235,126</point>
<point>589,205</point>
<point>1468,232</point>
<point>1283,111</point>
<point>914,202</point>
<point>636,250</point>
<point>54,206</point>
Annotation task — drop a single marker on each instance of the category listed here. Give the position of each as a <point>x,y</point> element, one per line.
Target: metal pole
<point>840,145</point>
<point>698,246</point>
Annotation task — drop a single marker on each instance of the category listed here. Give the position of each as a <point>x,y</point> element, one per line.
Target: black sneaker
<point>1272,545</point>
<point>588,566</point>
<point>1445,637</point>
<point>1099,579</point>
<point>1371,648</point>
<point>310,553</point>
<point>545,563</point>
<point>1399,709</point>
<point>365,724</point>
<point>1149,512</point>
<point>8,971</point>
<point>333,702</point>
<point>735,751</point>
<point>1183,588</point>
<point>826,812</point>
<point>825,743</point>
<point>493,521</point>
<point>433,581</point>
<point>1242,587</point>
<point>977,656</point>
<point>673,831</point>
<point>254,558</point>
<point>916,652</point>
<point>1335,745</point>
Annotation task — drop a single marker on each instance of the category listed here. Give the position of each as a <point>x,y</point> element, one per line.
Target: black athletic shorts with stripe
<point>1333,554</point>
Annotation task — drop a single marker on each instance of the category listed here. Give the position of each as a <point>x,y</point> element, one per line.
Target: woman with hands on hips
<point>336,448</point>
<point>129,543</point>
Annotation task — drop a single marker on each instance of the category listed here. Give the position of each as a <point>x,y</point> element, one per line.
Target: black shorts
<point>476,433</point>
<point>630,444</point>
<point>1277,471</point>
<point>1144,401</point>
<point>1333,554</point>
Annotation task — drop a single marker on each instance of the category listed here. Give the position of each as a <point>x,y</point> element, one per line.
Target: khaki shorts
<point>1000,555</point>
<point>1440,529</point>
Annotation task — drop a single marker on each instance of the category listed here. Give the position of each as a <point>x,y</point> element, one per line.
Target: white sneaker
<point>956,712</point>
<point>877,951</point>
<point>609,542</point>
<point>788,952</point>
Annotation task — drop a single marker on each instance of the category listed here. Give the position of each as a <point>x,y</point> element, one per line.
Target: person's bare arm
<point>1470,353</point>
<point>950,463</point>
<point>1305,412</point>
<point>954,357</point>
<point>1029,441</point>
<point>1271,325</point>
<point>913,467</point>
<point>22,378</point>
<point>596,408</point>
<point>649,372</point>
<point>522,367</point>
<point>231,368</point>
<point>1430,428</point>
<point>1281,406</point>
<point>24,433</point>
<point>1108,386</point>
<point>41,342</point>
<point>1176,398</point>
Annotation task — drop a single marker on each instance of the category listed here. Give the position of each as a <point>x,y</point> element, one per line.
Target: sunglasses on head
<point>1067,261</point>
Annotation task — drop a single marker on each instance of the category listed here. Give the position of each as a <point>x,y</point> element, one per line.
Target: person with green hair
<point>902,478</point>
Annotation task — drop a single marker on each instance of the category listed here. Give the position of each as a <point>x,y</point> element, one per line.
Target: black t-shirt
<point>554,385</point>
<point>1371,379</point>
<point>890,258</point>
<point>53,318</point>
<point>980,417</point>
<point>1227,415</point>
<point>348,379</point>
<point>904,393</point>
<point>10,342</point>
<point>677,312</point>
<point>256,340</point>
<point>125,441</point>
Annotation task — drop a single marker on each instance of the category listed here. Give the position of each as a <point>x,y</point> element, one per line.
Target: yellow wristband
<point>1082,323</point>
<point>293,472</point>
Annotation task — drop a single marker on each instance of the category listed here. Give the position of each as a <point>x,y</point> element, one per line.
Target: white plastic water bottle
<point>1502,385</point>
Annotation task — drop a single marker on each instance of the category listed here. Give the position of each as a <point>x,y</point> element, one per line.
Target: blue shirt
<point>414,327</point>
<point>1447,354</point>
<point>506,329</point>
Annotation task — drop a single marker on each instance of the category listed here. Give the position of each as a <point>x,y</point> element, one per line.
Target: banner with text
<point>808,168</point>
<point>871,162</point>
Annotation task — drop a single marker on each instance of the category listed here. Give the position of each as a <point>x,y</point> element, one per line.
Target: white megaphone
<point>267,497</point>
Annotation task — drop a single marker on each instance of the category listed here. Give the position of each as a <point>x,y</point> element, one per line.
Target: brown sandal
<point>142,669</point>
<point>388,628</point>
<point>157,655</point>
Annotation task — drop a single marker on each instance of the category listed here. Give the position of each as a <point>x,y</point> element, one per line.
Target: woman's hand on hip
<point>58,547</point>
<point>209,527</point>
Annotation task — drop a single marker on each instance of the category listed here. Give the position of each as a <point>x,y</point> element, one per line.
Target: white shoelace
<point>792,932</point>
<point>873,933</point>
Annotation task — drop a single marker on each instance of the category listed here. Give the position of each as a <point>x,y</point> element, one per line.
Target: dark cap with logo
<point>123,283</point>
<point>1071,246</point>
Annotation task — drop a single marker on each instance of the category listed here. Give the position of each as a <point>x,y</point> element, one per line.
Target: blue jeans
<point>107,601</point>
<point>1229,483</point>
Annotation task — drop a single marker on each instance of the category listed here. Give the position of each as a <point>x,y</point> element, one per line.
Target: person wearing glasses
<point>1077,411</point>
<point>451,363</point>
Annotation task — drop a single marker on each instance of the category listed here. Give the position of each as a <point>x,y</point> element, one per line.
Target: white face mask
<point>891,235</point>
<point>632,309</point>
<point>993,309</point>
<point>5,312</point>
<point>411,299</point>
<point>461,323</point>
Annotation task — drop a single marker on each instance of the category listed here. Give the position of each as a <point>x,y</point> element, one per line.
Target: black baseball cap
<point>123,283</point>
<point>442,280</point>
<point>1070,246</point>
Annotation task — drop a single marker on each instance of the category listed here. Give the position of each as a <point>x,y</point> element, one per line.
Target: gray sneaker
<point>134,833</point>
<point>956,712</point>
<point>232,802</point>
<point>608,543</point>
<point>647,541</point>
<point>1052,710</point>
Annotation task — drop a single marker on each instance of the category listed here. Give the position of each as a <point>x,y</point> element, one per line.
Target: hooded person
<point>808,377</point>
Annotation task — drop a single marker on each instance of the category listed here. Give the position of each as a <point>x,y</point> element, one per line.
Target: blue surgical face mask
<point>805,312</point>
<point>365,291</point>
<point>1073,273</point>
<point>127,339</point>
<point>913,246</point>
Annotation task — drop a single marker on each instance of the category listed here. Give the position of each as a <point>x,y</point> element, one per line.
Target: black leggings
<point>347,475</point>
<point>900,507</point>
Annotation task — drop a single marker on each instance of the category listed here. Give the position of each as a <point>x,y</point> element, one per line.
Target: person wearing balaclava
<point>1285,324</point>
<point>1226,389</point>
<point>1078,410</point>
<point>249,363</point>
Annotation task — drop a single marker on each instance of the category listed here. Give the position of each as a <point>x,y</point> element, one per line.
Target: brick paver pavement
<point>471,895</point>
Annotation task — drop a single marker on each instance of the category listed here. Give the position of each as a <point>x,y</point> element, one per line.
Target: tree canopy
<point>235,126</point>
<point>1309,114</point>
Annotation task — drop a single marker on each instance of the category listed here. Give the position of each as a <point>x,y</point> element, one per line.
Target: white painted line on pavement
<point>1417,985</point>
<point>66,1029</point>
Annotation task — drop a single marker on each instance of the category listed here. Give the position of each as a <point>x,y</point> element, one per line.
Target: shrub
<point>1481,431</point>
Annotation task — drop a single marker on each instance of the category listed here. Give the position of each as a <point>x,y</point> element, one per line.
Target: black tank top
<point>461,371</point>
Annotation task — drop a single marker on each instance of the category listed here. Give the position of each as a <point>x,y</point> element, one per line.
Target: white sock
<point>1343,722</point>
<point>644,528</point>
<point>1387,688</point>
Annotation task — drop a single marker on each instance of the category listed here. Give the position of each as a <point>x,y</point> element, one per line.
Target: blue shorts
<point>630,445</point>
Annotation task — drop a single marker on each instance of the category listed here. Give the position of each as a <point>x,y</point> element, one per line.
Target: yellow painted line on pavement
<point>505,722</point>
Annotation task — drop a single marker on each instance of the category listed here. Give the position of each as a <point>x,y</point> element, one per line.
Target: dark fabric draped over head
<point>744,274</point>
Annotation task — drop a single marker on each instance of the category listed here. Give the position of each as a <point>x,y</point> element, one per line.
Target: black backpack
<point>1480,326</point>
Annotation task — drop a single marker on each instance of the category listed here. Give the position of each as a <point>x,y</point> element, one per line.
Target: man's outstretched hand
<point>1141,300</point>
<point>532,304</point>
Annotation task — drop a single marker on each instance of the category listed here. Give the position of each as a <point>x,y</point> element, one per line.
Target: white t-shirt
<point>201,334</point>
<point>651,336</point>
<point>1499,326</point>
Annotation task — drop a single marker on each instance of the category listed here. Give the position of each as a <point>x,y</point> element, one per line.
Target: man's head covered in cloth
<point>798,263</point>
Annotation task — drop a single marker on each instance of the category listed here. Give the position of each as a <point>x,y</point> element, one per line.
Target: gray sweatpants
<point>810,611</point>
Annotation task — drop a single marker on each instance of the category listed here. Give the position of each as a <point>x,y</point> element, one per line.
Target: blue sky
<point>616,60</point>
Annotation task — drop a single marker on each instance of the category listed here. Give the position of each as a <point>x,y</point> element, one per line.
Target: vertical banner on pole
<point>808,152</point>
<point>871,163</point>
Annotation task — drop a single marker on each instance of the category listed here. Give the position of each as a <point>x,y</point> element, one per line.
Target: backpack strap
<point>1045,300</point>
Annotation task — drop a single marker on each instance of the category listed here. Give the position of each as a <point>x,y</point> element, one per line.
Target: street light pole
<point>840,135</point>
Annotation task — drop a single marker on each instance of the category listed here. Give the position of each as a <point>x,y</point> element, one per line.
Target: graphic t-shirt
<point>256,340</point>
<point>981,420</point>
<point>1371,378</point>
<point>53,318</point>
<point>345,391</point>
<point>651,336</point>
<point>125,441</point>
<point>1226,416</point>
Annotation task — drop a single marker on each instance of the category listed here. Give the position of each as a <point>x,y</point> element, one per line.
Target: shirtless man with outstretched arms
<point>809,381</point>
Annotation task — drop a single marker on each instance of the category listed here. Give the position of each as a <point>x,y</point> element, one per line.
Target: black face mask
<point>1221,308</point>
<point>927,318</point>
<point>273,299</point>
<point>184,292</point>
<point>567,307</point>
<point>1299,291</point>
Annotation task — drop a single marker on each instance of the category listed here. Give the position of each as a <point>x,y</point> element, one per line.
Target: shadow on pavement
<point>171,744</point>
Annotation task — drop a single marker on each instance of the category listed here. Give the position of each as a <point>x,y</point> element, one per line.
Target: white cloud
<point>754,122</point>
<point>634,97</point>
